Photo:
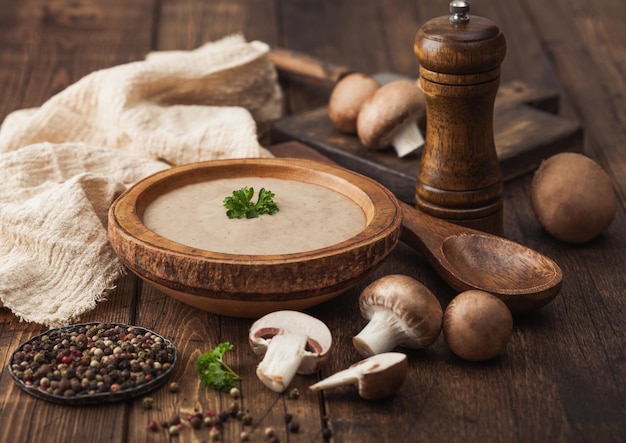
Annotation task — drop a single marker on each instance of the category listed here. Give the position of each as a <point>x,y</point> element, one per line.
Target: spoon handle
<point>426,233</point>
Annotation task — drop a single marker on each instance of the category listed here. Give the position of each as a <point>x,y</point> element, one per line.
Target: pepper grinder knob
<point>459,10</point>
<point>459,177</point>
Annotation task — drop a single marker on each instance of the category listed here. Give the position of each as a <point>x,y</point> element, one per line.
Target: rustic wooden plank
<point>591,69</point>
<point>582,334</point>
<point>195,332</point>
<point>332,31</point>
<point>561,378</point>
<point>45,46</point>
<point>187,24</point>
<point>554,356</point>
<point>43,53</point>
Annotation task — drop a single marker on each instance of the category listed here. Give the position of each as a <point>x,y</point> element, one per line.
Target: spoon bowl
<point>467,259</point>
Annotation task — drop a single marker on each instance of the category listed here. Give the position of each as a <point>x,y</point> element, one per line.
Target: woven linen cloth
<point>64,163</point>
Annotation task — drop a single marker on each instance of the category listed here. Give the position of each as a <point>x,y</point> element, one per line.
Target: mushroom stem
<point>381,334</point>
<point>282,360</point>
<point>349,376</point>
<point>407,138</point>
<point>377,377</point>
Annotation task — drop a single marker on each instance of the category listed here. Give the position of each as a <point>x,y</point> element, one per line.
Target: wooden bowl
<point>253,285</point>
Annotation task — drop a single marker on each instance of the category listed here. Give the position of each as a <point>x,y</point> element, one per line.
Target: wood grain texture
<point>561,377</point>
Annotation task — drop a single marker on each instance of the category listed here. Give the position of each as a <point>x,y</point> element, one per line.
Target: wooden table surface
<point>562,377</point>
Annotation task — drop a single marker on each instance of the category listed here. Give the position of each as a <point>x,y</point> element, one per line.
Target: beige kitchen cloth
<point>63,164</point>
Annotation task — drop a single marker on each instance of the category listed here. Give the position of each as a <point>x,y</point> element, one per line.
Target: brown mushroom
<point>477,325</point>
<point>376,377</point>
<point>292,342</point>
<point>573,197</point>
<point>346,99</point>
<point>390,117</point>
<point>401,312</point>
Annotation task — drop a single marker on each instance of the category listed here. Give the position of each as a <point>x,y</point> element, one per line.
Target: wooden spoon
<point>467,258</point>
<point>470,259</point>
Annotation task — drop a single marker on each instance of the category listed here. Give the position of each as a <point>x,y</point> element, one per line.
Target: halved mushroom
<point>293,342</point>
<point>390,117</point>
<point>376,377</point>
<point>401,312</point>
<point>346,99</point>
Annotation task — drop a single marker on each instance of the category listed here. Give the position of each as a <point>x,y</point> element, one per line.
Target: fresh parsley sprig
<point>214,372</point>
<point>240,204</point>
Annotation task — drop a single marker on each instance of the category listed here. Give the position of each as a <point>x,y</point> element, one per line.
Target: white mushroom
<point>390,117</point>
<point>401,312</point>
<point>346,99</point>
<point>376,377</point>
<point>293,342</point>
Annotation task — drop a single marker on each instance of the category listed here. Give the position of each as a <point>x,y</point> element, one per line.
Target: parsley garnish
<point>212,370</point>
<point>240,204</point>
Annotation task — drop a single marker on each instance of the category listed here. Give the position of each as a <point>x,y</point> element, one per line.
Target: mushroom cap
<point>346,99</point>
<point>388,108</point>
<point>382,374</point>
<point>477,325</point>
<point>573,197</point>
<point>319,340</point>
<point>413,305</point>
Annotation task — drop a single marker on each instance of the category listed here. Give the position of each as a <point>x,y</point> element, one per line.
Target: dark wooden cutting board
<point>526,130</point>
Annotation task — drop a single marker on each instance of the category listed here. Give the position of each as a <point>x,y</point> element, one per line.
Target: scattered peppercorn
<point>147,402</point>
<point>174,420</point>
<point>294,394</point>
<point>153,426</point>
<point>246,419</point>
<point>215,434</point>
<point>173,430</point>
<point>233,409</point>
<point>244,436</point>
<point>235,393</point>
<point>269,432</point>
<point>195,422</point>
<point>293,427</point>
<point>173,387</point>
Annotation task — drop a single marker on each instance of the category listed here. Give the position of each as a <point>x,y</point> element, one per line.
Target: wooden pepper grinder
<point>459,178</point>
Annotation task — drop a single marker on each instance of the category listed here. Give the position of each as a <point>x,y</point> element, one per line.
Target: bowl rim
<point>377,226</point>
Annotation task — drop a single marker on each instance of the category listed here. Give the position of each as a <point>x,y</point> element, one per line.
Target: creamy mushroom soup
<point>309,217</point>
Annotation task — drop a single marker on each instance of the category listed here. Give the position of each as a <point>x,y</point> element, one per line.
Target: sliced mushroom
<point>390,117</point>
<point>293,342</point>
<point>346,99</point>
<point>376,377</point>
<point>401,312</point>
